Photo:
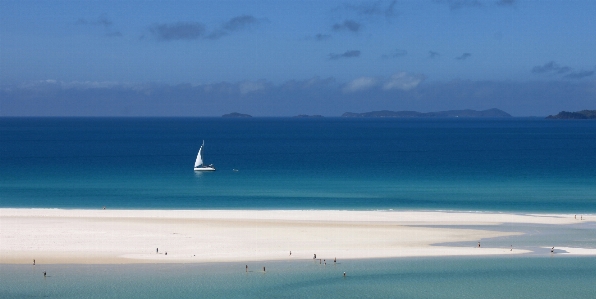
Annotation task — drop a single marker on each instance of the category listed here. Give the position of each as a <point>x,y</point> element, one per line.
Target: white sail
<point>199,160</point>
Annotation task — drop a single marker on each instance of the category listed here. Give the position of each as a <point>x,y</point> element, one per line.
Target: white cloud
<point>73,84</point>
<point>398,81</point>
<point>359,84</point>
<point>403,81</point>
<point>90,85</point>
<point>251,86</point>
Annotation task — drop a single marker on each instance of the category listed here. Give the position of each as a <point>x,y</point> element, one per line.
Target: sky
<point>285,58</point>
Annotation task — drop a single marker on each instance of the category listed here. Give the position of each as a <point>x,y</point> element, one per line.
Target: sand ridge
<point>133,236</point>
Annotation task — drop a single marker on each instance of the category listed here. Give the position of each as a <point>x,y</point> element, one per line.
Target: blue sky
<point>283,58</point>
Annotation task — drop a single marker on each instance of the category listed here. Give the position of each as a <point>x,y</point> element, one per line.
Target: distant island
<point>308,116</point>
<point>236,114</point>
<point>584,114</point>
<point>451,113</point>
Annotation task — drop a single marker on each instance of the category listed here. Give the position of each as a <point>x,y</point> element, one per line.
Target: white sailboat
<point>199,162</point>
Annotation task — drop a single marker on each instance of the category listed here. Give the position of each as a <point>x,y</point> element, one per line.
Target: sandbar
<point>75,236</point>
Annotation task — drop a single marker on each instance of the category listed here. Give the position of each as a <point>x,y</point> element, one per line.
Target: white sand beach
<point>132,236</point>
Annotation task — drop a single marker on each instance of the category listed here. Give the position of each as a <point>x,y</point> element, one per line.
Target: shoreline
<point>83,236</point>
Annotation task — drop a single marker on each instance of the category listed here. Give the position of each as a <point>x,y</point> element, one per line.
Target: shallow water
<point>479,277</point>
<point>538,238</point>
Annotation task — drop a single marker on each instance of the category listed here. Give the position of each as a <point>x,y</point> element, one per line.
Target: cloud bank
<point>102,21</point>
<point>325,96</point>
<point>347,25</point>
<point>579,75</point>
<point>463,56</point>
<point>459,4</point>
<point>506,2</point>
<point>554,68</point>
<point>395,54</point>
<point>550,67</point>
<point>197,30</point>
<point>362,83</point>
<point>347,54</point>
<point>178,31</point>
<point>403,81</point>
<point>373,9</point>
<point>322,37</point>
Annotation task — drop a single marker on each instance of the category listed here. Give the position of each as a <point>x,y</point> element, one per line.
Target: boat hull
<point>204,168</point>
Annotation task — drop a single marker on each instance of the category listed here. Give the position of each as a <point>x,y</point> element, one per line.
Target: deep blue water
<point>519,164</point>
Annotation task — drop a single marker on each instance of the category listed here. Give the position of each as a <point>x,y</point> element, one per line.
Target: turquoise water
<point>512,277</point>
<point>537,238</point>
<point>515,165</point>
<point>333,163</point>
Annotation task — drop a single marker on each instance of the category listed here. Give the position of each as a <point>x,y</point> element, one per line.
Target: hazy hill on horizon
<point>584,114</point>
<point>494,112</point>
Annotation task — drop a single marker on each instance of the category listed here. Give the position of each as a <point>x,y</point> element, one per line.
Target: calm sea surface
<point>283,163</point>
<point>515,165</point>
<point>513,277</point>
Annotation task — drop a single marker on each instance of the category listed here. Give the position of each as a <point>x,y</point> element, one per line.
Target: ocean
<point>518,165</point>
<point>513,165</point>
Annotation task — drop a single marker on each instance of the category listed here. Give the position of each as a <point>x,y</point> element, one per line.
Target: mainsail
<point>199,160</point>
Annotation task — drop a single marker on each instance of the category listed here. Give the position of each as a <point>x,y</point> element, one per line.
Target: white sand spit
<point>132,236</point>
